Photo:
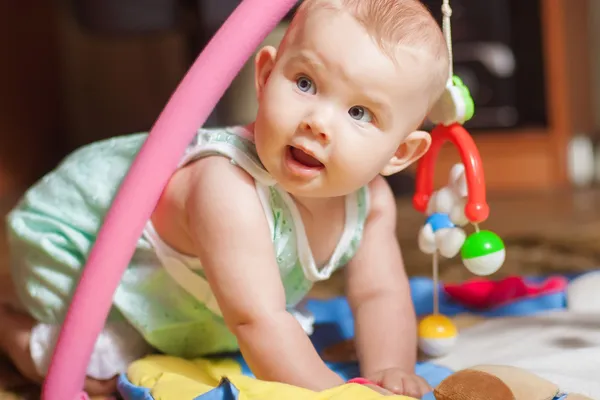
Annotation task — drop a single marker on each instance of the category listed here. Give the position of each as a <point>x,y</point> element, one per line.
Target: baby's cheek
<point>353,166</point>
<point>370,155</point>
<point>282,111</point>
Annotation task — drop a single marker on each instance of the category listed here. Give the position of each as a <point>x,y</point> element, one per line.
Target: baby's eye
<point>306,85</point>
<point>360,113</point>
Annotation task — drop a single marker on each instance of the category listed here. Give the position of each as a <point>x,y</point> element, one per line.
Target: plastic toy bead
<point>483,253</point>
<point>437,335</point>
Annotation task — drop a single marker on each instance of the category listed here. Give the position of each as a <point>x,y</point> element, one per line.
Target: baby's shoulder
<point>207,189</point>
<point>206,197</point>
<point>214,174</point>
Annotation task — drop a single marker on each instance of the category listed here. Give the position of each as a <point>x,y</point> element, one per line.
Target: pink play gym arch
<point>186,111</point>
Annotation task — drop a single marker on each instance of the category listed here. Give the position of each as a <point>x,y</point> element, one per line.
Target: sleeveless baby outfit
<point>163,300</point>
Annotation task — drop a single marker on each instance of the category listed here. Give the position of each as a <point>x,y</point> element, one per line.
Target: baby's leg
<point>14,340</point>
<point>46,259</point>
<point>50,233</point>
<point>15,337</point>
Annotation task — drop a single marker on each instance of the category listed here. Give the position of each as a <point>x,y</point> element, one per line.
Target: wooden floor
<point>550,232</point>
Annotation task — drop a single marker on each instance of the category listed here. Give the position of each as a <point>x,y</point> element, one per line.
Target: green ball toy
<point>466,95</point>
<point>483,253</point>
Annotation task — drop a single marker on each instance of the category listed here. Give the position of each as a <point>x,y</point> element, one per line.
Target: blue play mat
<point>334,323</point>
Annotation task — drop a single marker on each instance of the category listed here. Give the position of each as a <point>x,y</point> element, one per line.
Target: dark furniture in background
<point>528,66</point>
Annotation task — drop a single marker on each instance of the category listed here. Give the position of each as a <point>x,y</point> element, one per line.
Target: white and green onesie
<point>163,300</point>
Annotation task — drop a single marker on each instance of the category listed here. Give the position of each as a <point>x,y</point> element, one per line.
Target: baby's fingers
<point>399,383</point>
<point>395,383</point>
<point>425,387</point>
<point>411,388</point>
<point>379,389</point>
<point>415,386</point>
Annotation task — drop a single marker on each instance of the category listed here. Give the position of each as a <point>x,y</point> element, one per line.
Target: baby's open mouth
<point>304,159</point>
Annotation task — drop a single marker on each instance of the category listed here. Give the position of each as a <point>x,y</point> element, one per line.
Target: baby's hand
<point>379,390</point>
<point>400,382</point>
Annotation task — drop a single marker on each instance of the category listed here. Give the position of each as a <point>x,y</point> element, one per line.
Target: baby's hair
<point>394,23</point>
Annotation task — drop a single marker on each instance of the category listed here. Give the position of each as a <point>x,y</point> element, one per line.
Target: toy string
<point>447,13</point>
<point>436,279</point>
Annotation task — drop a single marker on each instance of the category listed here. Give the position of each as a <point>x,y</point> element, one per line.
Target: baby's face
<point>334,107</point>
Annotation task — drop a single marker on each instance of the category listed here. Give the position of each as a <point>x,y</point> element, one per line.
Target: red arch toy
<point>476,209</point>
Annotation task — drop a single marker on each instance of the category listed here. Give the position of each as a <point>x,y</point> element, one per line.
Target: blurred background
<point>77,71</point>
<point>73,72</point>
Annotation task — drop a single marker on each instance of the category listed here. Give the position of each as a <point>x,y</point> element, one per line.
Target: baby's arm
<point>379,292</point>
<point>233,241</point>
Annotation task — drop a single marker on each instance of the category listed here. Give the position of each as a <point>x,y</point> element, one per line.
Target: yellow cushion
<point>171,378</point>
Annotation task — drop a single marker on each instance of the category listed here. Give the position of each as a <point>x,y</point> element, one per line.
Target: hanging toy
<point>483,253</point>
<point>437,335</point>
<point>455,104</point>
<point>443,231</point>
<point>450,209</point>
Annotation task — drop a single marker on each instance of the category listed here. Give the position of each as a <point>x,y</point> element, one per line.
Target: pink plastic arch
<point>186,111</point>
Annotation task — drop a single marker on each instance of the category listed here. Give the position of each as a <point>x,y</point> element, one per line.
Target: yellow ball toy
<point>437,335</point>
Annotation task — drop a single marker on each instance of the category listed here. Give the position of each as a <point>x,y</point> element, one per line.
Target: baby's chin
<point>318,188</point>
<point>308,193</point>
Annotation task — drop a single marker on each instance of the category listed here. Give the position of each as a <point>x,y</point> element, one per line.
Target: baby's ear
<point>410,150</point>
<point>263,66</point>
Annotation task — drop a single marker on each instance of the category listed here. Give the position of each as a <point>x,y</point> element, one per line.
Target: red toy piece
<point>476,209</point>
<point>485,294</point>
<point>361,381</point>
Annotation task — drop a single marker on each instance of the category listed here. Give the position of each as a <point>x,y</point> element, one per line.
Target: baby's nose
<point>318,129</point>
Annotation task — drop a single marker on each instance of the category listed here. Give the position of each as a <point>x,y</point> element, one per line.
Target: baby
<point>254,215</point>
